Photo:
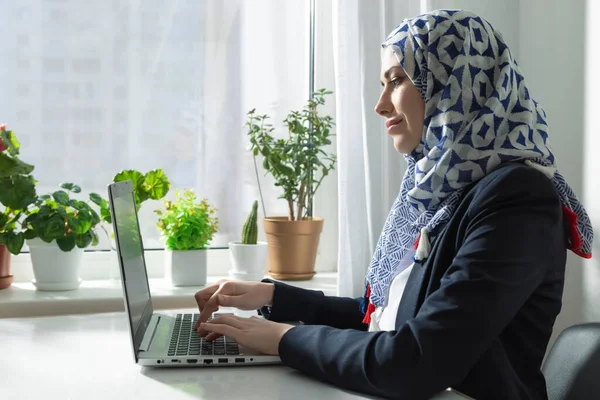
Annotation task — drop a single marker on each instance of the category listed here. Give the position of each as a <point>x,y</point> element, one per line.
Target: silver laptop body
<point>162,339</point>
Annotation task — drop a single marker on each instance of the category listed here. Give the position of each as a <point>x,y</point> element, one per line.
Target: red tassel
<point>370,307</point>
<point>416,245</point>
<point>574,238</point>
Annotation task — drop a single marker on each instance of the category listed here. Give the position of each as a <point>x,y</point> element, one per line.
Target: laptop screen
<point>131,259</point>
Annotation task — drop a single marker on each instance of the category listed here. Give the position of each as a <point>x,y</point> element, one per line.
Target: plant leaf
<point>105,215</point>
<point>13,241</point>
<point>53,228</point>
<point>81,223</point>
<point>9,139</point>
<point>72,187</point>
<point>156,184</point>
<point>10,166</point>
<point>18,192</point>
<point>62,212</point>
<point>61,197</point>
<point>96,199</point>
<point>66,243</point>
<point>95,238</point>
<point>84,240</point>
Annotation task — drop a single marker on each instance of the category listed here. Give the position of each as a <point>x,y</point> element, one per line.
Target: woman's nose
<point>383,105</point>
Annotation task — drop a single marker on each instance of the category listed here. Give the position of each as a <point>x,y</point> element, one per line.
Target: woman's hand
<point>241,295</point>
<point>254,333</point>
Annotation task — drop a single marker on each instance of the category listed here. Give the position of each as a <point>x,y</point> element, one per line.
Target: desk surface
<point>90,357</point>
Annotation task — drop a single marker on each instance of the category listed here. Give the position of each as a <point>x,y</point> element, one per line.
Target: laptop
<point>162,339</point>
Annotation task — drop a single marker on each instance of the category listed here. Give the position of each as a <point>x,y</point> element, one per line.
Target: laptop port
<point>175,361</point>
<point>223,361</point>
<point>208,361</point>
<point>191,361</point>
<point>239,360</point>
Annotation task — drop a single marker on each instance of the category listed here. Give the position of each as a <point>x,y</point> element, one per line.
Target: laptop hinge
<point>150,330</point>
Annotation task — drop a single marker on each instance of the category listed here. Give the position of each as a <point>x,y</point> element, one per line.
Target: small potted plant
<point>187,226</point>
<point>17,193</point>
<point>298,163</point>
<point>59,228</point>
<point>249,256</point>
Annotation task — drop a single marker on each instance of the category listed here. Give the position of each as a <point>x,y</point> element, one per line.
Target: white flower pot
<point>185,268</point>
<point>247,260</point>
<point>53,268</point>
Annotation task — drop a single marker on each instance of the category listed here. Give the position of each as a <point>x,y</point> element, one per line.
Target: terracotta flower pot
<point>293,247</point>
<point>6,278</point>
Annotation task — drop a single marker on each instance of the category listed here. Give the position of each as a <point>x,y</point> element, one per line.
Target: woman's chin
<point>402,145</point>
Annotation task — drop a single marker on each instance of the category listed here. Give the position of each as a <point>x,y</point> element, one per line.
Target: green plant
<point>17,192</point>
<point>295,162</point>
<point>69,222</point>
<point>250,230</point>
<point>153,185</point>
<point>186,223</point>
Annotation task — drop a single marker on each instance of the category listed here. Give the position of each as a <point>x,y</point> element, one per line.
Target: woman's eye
<point>396,81</point>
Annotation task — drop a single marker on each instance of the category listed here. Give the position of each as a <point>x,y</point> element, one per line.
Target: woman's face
<point>400,104</point>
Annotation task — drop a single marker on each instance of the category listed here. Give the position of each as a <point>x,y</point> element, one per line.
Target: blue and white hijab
<point>478,114</point>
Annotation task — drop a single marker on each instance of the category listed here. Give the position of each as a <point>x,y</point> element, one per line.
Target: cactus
<point>250,230</point>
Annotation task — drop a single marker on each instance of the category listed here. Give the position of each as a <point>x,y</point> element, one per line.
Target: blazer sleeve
<point>312,307</point>
<point>514,228</point>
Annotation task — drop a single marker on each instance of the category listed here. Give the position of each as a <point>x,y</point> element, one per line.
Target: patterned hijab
<point>478,114</point>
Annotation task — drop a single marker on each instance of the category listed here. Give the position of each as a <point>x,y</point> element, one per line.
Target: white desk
<point>89,357</point>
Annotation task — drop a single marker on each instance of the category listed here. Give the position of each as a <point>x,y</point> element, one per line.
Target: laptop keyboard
<point>186,342</point>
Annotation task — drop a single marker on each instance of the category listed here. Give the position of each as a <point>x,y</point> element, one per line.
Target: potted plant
<point>298,164</point>
<point>59,228</point>
<point>17,193</point>
<point>249,256</point>
<point>187,226</point>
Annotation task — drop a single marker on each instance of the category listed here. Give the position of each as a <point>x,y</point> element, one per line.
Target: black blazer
<point>477,315</point>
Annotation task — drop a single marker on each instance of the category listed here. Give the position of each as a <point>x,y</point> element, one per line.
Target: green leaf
<point>14,241</point>
<point>3,220</point>
<point>265,164</point>
<point>105,215</point>
<point>9,139</point>
<point>17,192</point>
<point>29,234</point>
<point>61,211</point>
<point>67,186</point>
<point>84,240</point>
<point>156,184</point>
<point>81,223</point>
<point>53,228</point>
<point>61,197</point>
<point>95,217</point>
<point>44,197</point>
<point>66,243</point>
<point>10,166</point>
<point>96,199</point>
<point>136,177</point>
<point>95,238</point>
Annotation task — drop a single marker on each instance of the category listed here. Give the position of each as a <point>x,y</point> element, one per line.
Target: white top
<point>384,318</point>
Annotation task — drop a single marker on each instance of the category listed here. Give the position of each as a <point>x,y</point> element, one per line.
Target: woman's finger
<point>221,329</point>
<point>231,320</point>
<point>212,336</point>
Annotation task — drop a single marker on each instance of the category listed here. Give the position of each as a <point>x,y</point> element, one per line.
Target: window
<point>92,88</point>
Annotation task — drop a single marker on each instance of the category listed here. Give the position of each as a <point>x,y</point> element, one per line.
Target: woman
<point>467,277</point>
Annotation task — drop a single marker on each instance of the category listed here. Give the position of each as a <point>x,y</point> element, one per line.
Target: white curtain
<point>91,88</point>
<point>370,171</point>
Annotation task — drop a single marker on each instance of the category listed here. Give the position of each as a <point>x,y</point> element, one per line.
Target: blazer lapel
<point>410,298</point>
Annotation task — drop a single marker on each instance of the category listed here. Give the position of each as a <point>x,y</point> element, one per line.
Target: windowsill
<point>97,296</point>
